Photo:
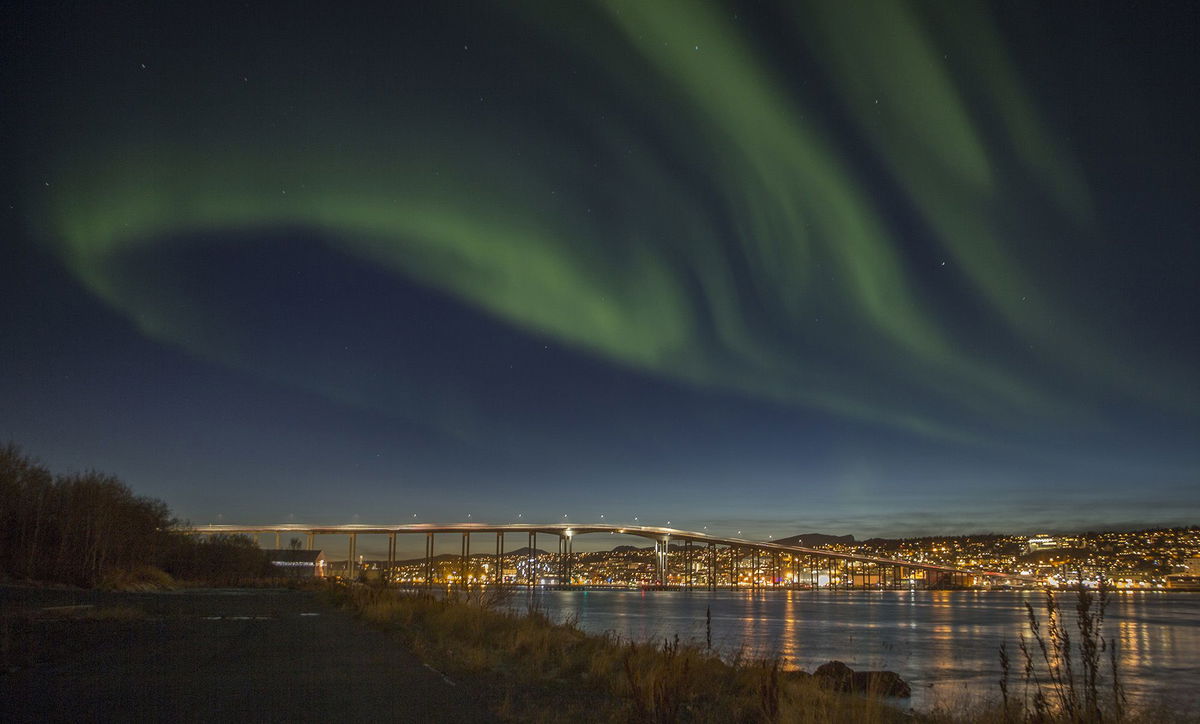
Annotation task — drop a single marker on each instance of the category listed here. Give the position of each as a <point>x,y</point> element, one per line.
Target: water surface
<point>944,643</point>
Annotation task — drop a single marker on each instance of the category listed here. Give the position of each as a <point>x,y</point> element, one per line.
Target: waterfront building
<point>297,563</point>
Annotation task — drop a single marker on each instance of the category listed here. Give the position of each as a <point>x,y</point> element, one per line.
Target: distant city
<point>1147,559</point>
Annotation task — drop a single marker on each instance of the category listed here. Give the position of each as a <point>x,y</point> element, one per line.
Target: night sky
<point>872,268</point>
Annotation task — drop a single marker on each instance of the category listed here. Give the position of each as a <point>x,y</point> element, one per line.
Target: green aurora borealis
<point>872,212</point>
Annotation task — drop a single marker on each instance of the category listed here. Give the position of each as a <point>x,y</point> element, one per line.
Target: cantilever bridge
<point>696,564</point>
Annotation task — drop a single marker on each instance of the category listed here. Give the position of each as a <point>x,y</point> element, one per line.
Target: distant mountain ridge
<point>808,540</point>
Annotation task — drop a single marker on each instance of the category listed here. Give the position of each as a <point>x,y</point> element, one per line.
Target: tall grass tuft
<point>1062,681</point>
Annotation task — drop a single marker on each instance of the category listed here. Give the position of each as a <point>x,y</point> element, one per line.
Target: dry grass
<point>141,579</point>
<point>537,670</point>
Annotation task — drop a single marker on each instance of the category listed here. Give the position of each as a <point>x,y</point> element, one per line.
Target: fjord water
<point>944,643</point>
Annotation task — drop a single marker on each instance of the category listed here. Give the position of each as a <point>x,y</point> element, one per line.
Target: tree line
<point>84,527</point>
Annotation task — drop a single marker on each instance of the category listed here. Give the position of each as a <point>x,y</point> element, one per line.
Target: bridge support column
<point>311,536</point>
<point>391,558</point>
<point>657,562</point>
<point>277,543</point>
<point>464,560</point>
<point>666,562</point>
<point>391,564</point>
<point>350,557</point>
<point>531,573</point>
<point>428,560</point>
<point>499,577</point>
<point>564,551</point>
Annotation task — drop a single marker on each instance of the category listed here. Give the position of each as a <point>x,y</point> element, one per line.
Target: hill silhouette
<point>809,540</point>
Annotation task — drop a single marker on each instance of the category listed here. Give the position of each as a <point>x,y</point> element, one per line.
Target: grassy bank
<point>537,670</point>
<point>534,669</point>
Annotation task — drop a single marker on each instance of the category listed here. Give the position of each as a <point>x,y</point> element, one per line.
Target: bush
<point>143,578</point>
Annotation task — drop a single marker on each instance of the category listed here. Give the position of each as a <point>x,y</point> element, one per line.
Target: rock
<point>836,676</point>
<point>880,683</point>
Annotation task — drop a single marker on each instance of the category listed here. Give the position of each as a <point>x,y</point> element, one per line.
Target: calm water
<point>944,643</point>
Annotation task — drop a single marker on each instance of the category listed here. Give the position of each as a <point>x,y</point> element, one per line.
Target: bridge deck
<point>571,530</point>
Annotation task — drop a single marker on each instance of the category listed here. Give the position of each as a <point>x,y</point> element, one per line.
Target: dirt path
<point>233,655</point>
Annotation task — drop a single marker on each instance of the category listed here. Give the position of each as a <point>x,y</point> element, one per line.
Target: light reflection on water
<point>944,643</point>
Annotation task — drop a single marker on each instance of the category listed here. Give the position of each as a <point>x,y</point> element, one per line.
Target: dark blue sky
<point>924,268</point>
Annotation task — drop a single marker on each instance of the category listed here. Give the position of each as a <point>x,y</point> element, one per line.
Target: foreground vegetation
<point>536,669</point>
<point>89,529</point>
<point>539,670</point>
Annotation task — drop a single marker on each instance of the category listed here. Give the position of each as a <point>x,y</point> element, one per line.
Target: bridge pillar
<point>463,560</point>
<point>391,566</point>
<point>657,562</point>
<point>350,558</point>
<point>665,571</point>
<point>428,560</point>
<point>564,550</point>
<point>311,536</point>
<point>532,570</point>
<point>499,577</point>
<point>277,544</point>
